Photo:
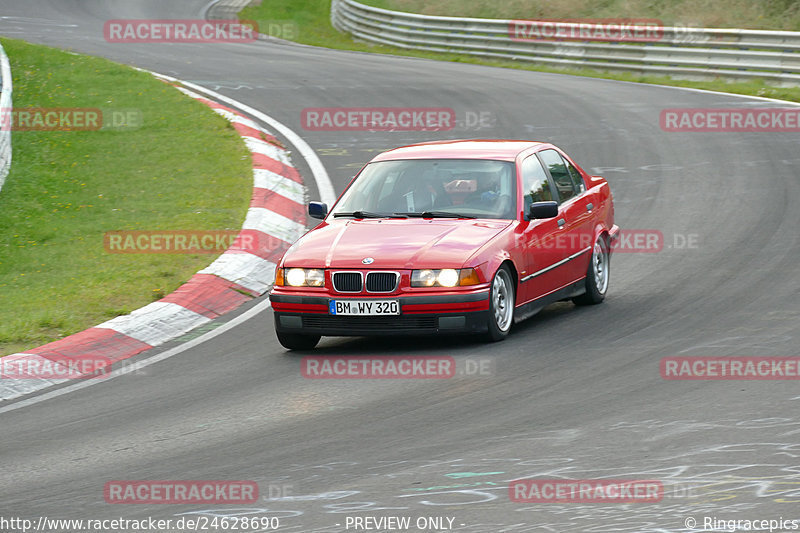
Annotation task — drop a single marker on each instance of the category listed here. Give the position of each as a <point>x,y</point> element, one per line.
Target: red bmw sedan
<point>448,237</point>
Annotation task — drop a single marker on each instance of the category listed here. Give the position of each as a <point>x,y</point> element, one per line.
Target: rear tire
<point>296,341</point>
<point>501,305</point>
<point>596,275</point>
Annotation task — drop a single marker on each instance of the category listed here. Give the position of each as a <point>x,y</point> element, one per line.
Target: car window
<point>558,170</point>
<point>479,188</point>
<point>535,185</point>
<point>577,179</point>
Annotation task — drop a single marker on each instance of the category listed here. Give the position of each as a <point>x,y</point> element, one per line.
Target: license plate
<point>364,307</point>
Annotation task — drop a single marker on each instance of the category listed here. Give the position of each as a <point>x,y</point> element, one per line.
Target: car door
<point>575,215</point>
<point>542,272</point>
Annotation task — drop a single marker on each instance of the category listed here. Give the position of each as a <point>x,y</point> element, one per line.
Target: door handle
<point>589,207</point>
<point>561,222</point>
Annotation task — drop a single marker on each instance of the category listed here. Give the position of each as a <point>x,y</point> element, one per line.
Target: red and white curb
<point>276,216</point>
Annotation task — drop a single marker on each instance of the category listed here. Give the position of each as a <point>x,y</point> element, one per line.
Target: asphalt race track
<point>573,393</point>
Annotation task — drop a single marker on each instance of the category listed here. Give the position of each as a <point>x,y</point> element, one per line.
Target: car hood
<point>393,244</point>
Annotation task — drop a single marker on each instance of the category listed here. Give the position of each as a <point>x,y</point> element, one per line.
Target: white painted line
<point>231,117</point>
<point>244,121</point>
<point>191,94</point>
<point>236,118</point>
<point>138,365</point>
<point>324,185</point>
<point>705,91</point>
<point>156,323</point>
<point>207,8</point>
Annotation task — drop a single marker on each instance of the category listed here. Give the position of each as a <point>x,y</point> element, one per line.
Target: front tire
<point>596,275</point>
<point>501,305</point>
<point>296,341</point>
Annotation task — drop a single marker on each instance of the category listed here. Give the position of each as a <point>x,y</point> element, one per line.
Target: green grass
<point>184,168</point>
<point>313,20</point>
<point>753,14</point>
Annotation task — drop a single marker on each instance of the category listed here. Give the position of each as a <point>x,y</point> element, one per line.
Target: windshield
<point>473,188</point>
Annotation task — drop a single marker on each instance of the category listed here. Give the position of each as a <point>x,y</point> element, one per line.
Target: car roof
<point>506,150</point>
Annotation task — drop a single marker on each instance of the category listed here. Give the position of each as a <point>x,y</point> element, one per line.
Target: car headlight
<point>445,277</point>
<point>301,277</point>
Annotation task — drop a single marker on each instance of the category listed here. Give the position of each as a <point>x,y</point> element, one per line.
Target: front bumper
<point>419,315</point>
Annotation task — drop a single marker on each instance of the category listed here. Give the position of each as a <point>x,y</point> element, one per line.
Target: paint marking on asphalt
<point>138,365</point>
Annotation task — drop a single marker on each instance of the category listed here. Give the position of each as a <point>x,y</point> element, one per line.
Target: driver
<point>420,198</point>
<point>488,188</point>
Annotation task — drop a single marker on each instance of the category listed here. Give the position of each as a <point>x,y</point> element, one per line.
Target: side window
<point>535,185</point>
<point>577,179</point>
<point>558,170</point>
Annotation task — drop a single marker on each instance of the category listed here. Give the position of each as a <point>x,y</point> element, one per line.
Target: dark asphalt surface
<point>573,393</point>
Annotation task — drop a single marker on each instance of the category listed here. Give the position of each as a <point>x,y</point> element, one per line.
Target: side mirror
<point>317,209</point>
<point>539,210</point>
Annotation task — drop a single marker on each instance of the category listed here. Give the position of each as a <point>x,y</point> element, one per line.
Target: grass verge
<point>313,27</point>
<point>750,14</point>
<point>184,168</point>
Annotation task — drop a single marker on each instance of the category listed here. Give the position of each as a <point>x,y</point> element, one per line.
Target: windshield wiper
<point>367,214</point>
<point>436,214</point>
